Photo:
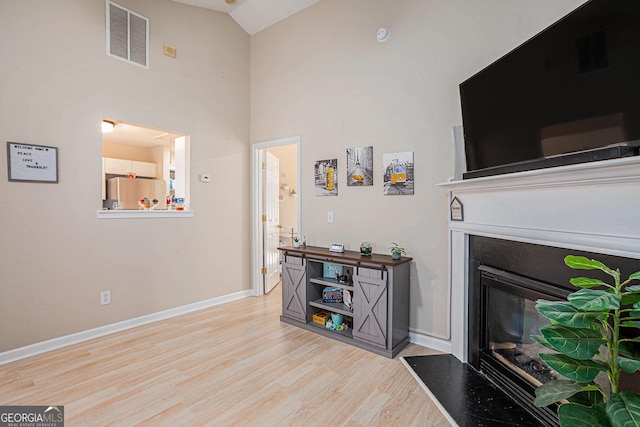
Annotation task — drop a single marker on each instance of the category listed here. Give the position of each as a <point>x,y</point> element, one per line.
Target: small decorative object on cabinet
<point>375,316</point>
<point>296,242</point>
<point>397,251</point>
<point>365,248</point>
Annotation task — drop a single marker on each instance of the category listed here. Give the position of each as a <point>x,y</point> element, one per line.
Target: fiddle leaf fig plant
<point>585,331</point>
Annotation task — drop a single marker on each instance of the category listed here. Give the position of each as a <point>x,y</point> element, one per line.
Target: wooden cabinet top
<point>349,257</point>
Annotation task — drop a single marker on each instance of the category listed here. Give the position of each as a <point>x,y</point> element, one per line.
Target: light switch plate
<point>205,177</point>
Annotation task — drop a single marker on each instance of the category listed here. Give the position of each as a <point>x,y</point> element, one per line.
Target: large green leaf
<point>627,349</point>
<point>583,371</point>
<point>630,298</point>
<point>623,409</point>
<point>575,415</point>
<point>594,300</point>
<point>555,391</point>
<point>588,398</point>
<point>586,282</point>
<point>635,276</point>
<point>567,314</point>
<point>630,324</point>
<point>628,365</point>
<point>634,288</point>
<point>582,263</point>
<point>580,344</point>
<point>540,340</point>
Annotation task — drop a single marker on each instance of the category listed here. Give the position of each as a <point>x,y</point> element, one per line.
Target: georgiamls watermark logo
<point>32,416</point>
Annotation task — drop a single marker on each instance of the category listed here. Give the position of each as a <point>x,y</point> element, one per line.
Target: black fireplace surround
<point>505,279</point>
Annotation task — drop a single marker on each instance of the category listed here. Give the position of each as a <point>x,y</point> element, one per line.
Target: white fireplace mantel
<point>593,207</point>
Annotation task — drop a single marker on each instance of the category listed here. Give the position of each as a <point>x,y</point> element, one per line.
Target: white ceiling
<point>254,15</point>
<point>130,134</point>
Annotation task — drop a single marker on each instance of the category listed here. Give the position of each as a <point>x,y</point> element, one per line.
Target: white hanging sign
<point>27,162</point>
<point>457,213</point>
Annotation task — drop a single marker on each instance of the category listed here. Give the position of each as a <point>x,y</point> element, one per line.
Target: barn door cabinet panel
<point>294,288</point>
<point>379,286</point>
<point>370,306</point>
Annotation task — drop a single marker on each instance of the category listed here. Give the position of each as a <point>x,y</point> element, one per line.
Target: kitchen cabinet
<point>143,169</point>
<point>379,319</point>
<point>124,167</point>
<point>117,166</point>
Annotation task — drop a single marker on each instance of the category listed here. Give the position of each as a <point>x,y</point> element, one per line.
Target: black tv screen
<point>570,94</point>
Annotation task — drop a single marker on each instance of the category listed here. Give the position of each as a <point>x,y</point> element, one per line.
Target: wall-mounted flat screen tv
<point>569,95</point>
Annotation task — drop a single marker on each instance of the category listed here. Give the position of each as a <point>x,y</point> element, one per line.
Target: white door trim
<point>256,190</point>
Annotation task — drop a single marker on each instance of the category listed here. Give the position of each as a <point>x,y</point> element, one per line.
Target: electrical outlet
<point>330,216</point>
<point>105,297</point>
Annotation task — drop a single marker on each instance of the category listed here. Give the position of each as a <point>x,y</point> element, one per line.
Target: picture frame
<point>32,163</point>
<point>398,173</point>
<point>326,177</point>
<point>360,166</point>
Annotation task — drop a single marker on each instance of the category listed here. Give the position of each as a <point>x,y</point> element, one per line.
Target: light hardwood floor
<point>234,364</point>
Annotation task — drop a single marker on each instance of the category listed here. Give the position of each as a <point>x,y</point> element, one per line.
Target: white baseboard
<point>420,338</point>
<point>67,340</point>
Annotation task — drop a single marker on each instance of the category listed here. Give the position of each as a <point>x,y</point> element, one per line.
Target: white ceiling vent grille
<point>127,35</point>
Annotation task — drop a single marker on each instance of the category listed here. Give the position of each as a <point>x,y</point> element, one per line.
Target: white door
<point>271,220</point>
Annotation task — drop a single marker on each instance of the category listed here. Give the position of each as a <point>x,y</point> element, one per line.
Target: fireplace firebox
<point>505,280</point>
<point>507,354</point>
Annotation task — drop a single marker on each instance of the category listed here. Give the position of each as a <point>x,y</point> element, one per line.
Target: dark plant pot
<point>396,255</point>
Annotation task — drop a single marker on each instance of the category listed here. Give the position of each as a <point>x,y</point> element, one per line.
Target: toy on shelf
<point>332,295</point>
<point>336,323</point>
<point>321,317</point>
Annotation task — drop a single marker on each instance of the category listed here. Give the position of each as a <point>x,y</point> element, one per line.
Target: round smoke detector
<point>383,34</point>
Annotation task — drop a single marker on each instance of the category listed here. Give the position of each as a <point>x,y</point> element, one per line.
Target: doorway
<point>275,207</point>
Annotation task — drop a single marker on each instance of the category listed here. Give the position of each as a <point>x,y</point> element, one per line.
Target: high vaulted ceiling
<point>254,15</point>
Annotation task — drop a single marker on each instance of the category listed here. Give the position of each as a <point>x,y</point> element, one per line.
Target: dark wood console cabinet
<point>379,321</point>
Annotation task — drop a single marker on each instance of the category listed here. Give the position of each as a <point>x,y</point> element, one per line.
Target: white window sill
<point>113,214</point>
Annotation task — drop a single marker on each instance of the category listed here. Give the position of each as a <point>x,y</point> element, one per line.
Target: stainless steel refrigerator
<point>130,190</point>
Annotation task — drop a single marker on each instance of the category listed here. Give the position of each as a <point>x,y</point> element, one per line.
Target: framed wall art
<point>359,166</point>
<point>326,177</point>
<point>398,173</point>
<point>34,163</point>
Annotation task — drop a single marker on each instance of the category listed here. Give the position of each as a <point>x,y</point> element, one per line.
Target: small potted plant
<point>397,251</point>
<point>296,242</point>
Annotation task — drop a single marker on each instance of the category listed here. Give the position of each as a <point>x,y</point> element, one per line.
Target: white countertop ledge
<point>117,214</point>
